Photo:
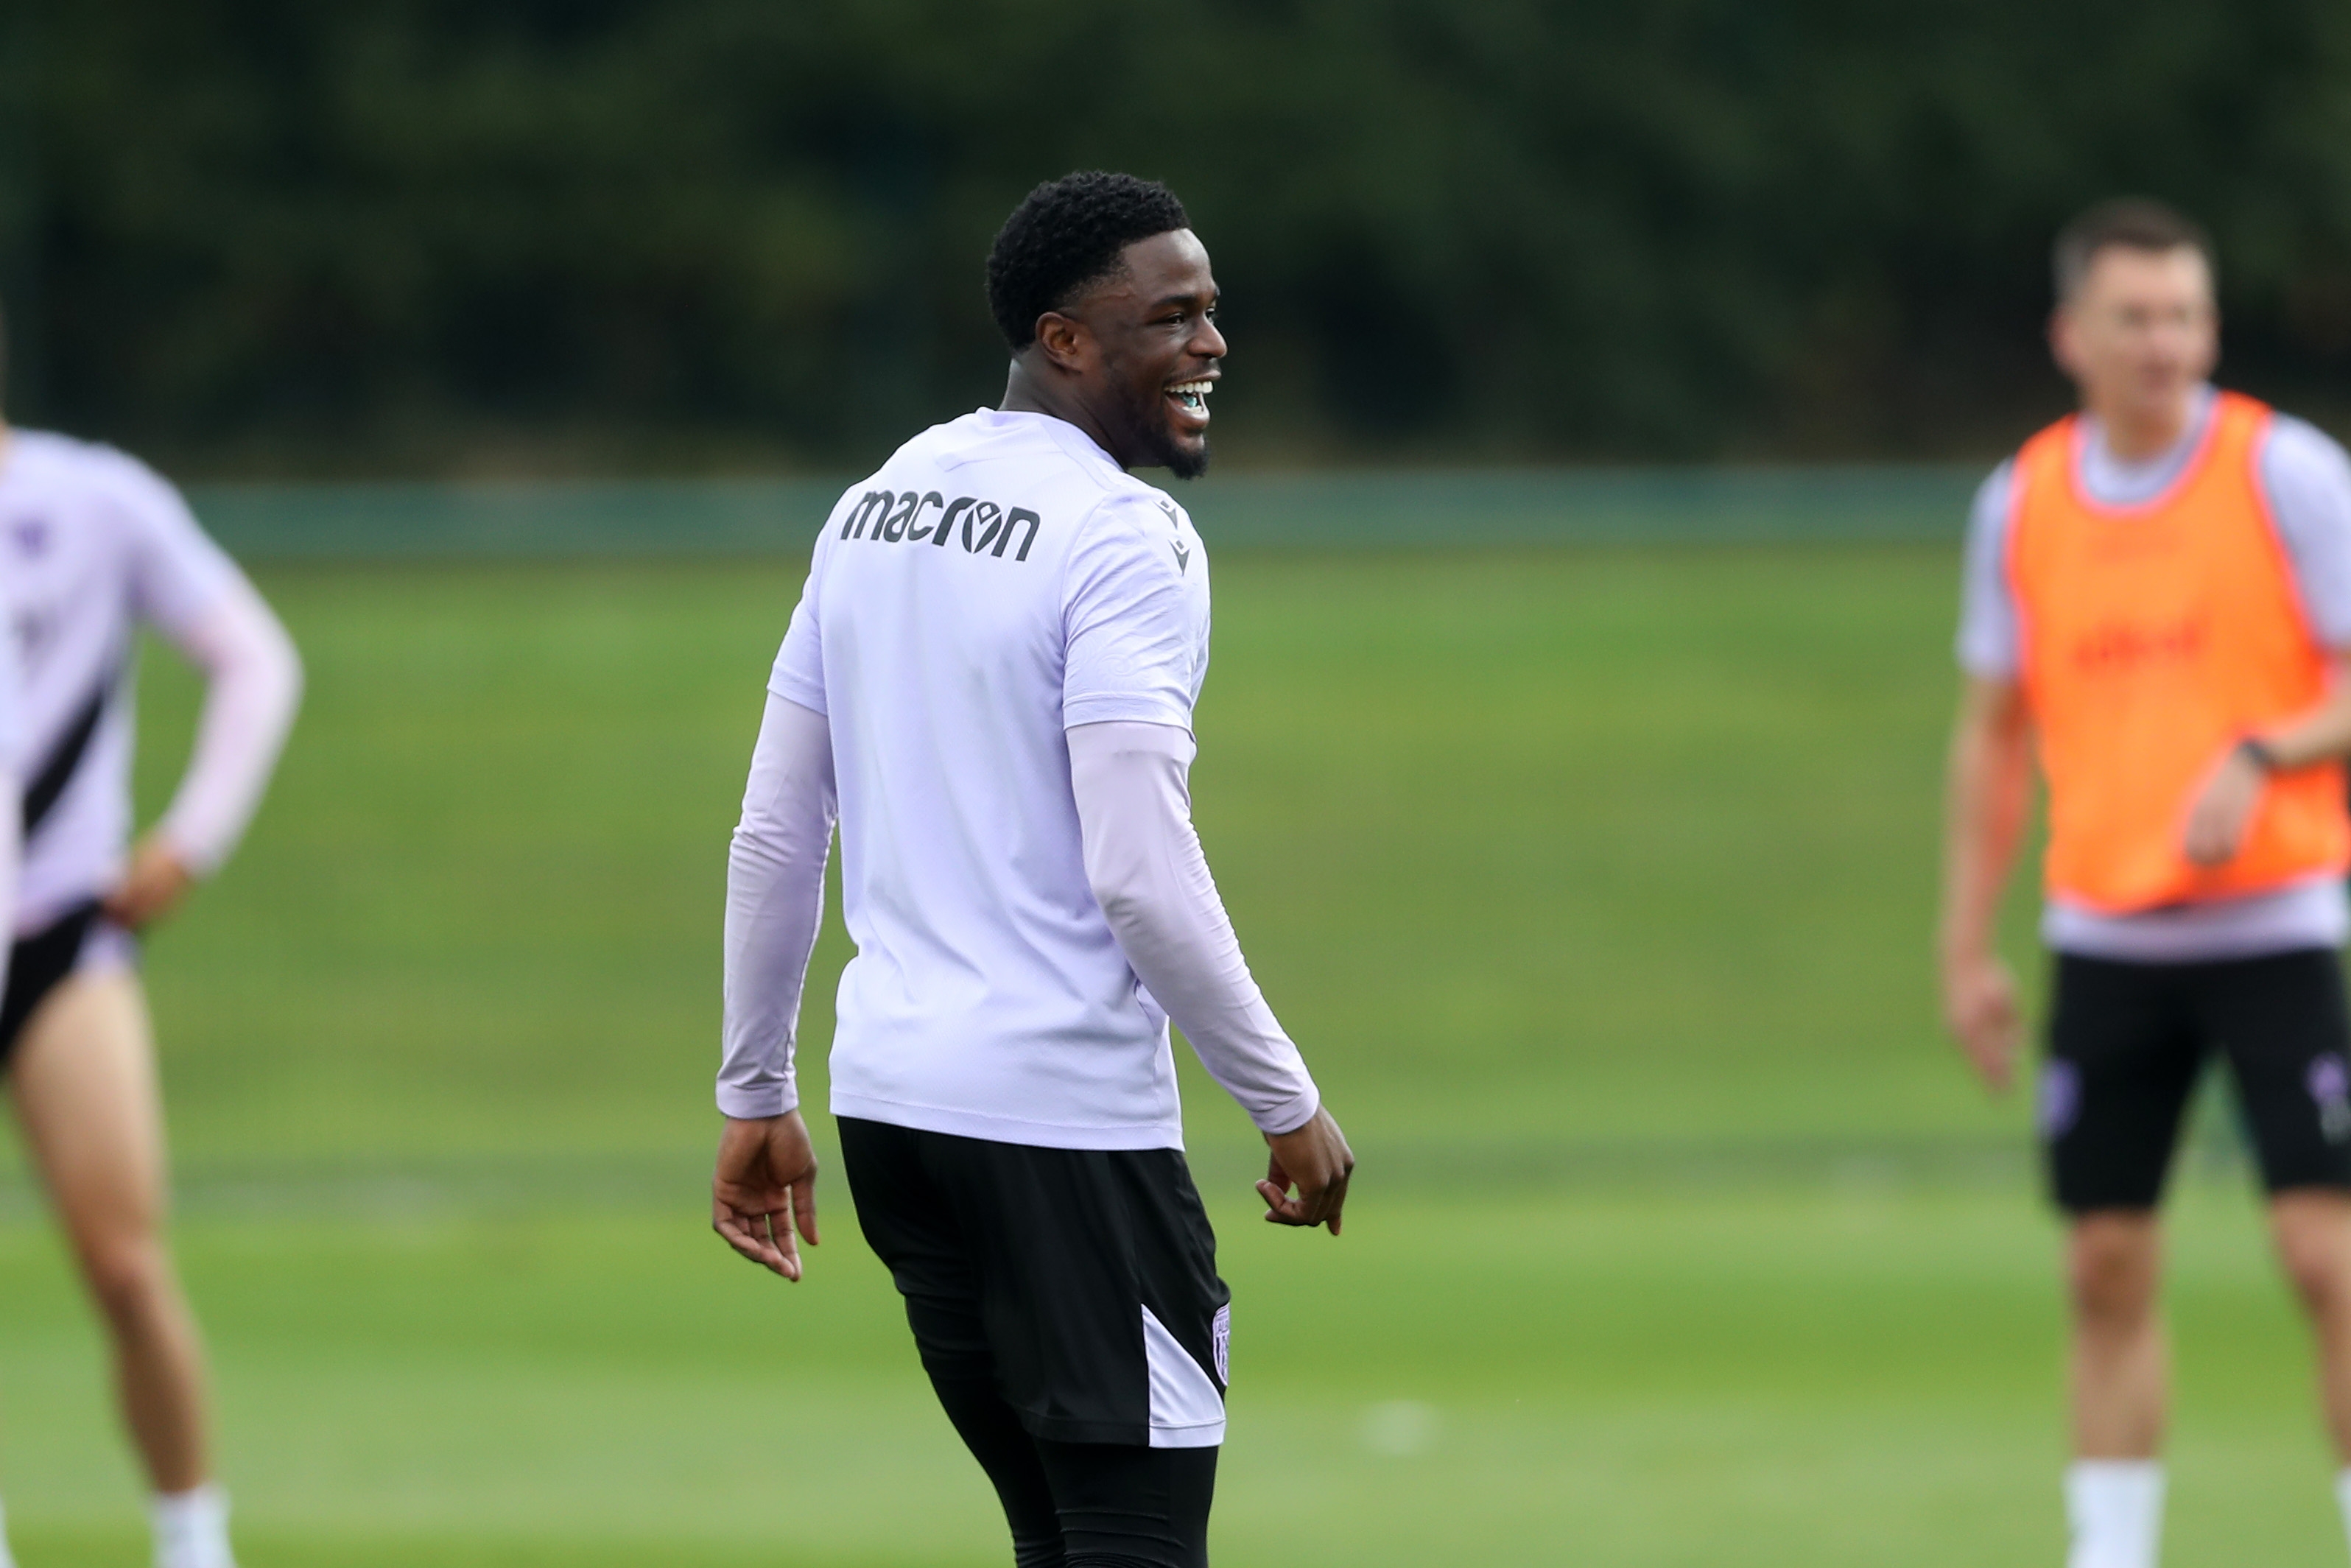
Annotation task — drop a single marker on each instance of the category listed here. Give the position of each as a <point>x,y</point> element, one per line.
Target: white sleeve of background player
<point>775,903</point>
<point>2308,479</point>
<point>1990,645</point>
<point>253,684</point>
<point>1147,869</point>
<point>186,586</point>
<point>12,775</point>
<point>176,570</point>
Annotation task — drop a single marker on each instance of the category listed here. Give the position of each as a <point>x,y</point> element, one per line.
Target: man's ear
<point>1063,340</point>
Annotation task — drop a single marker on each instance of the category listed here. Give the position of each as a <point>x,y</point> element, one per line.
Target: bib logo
<point>984,527</point>
<point>2119,647</point>
<point>1220,1343</point>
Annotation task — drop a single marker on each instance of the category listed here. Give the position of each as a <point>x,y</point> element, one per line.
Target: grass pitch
<point>1596,885</point>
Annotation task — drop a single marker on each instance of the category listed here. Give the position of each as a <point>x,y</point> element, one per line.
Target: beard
<point>1167,453</point>
<point>1187,464</point>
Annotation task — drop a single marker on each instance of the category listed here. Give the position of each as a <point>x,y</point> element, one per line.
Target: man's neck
<point>1026,394</point>
<point>2140,435</point>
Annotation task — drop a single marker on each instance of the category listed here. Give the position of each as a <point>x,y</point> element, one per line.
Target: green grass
<point>1596,885</point>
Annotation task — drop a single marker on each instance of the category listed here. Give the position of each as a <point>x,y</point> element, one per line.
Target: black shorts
<point>36,964</point>
<point>1082,1284</point>
<point>2128,1041</point>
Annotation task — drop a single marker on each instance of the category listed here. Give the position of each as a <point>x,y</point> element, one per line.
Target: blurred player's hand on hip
<point>1980,1009</point>
<point>1314,1158</point>
<point>2223,810</point>
<point>764,1189</point>
<point>158,879</point>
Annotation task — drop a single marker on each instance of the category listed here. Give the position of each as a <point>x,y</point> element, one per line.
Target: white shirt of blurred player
<point>96,543</point>
<point>998,580</point>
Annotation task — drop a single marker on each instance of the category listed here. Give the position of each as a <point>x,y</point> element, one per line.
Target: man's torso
<point>949,599</point>
<point>2306,486</point>
<point>89,556</point>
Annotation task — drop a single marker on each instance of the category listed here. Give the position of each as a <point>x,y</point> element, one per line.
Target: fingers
<point>1280,1208</point>
<point>787,1246</point>
<point>752,1236</point>
<point>1314,1205</point>
<point>804,1207</point>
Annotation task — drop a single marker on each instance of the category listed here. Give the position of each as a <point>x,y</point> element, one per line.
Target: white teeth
<point>1192,389</point>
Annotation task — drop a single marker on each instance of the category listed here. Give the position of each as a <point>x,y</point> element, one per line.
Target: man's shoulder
<point>52,458</point>
<point>2296,442</point>
<point>109,493</point>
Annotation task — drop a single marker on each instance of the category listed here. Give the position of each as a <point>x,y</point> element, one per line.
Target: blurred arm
<point>252,685</point>
<point>775,903</point>
<point>1989,790</point>
<point>1146,868</point>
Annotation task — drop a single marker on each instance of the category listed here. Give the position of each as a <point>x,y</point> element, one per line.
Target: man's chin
<point>1186,462</point>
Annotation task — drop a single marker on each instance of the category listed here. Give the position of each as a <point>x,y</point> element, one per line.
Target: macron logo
<point>1182,556</point>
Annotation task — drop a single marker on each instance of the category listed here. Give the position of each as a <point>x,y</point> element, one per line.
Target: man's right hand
<point>1314,1158</point>
<point>1980,1009</point>
<point>764,1188</point>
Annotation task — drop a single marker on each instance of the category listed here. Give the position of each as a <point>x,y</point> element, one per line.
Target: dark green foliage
<point>401,231</point>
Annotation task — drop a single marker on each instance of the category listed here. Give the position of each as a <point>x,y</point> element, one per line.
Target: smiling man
<point>990,682</point>
<point>2158,595</point>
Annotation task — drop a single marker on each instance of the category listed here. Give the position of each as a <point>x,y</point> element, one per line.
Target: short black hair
<point>2133,223</point>
<point>1066,234</point>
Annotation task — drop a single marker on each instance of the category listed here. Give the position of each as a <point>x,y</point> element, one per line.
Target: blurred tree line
<point>412,235</point>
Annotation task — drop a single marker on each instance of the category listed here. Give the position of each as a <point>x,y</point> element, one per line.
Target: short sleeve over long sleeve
<point>177,572</point>
<point>1134,619</point>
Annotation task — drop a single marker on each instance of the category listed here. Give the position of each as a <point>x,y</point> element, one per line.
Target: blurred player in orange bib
<point>2158,607</point>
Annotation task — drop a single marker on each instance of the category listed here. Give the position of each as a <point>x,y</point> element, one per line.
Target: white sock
<point>191,1529</point>
<point>2116,1506</point>
<point>2342,1500</point>
<point>5,1561</point>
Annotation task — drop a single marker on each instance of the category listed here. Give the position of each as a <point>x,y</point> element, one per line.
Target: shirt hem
<point>1009,1129</point>
<point>1131,710</point>
<point>810,697</point>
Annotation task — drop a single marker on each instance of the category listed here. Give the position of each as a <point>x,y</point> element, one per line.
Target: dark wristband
<point>2255,751</point>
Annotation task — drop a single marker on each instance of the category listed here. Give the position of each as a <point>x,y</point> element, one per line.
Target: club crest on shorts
<point>2059,1101</point>
<point>2329,1082</point>
<point>1220,1343</point>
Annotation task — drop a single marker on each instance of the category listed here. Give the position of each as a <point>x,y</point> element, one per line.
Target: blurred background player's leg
<point>2114,1490</point>
<point>2313,1231</point>
<point>86,1095</point>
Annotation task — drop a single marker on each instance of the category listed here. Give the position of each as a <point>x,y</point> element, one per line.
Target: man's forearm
<point>1989,791</point>
<point>254,685</point>
<point>1145,862</point>
<point>2322,735</point>
<point>775,907</point>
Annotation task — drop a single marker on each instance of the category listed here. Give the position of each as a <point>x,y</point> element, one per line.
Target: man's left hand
<point>764,1189</point>
<point>2223,809</point>
<point>158,879</point>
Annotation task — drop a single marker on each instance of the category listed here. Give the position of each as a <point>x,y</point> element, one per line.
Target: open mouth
<point>1192,397</point>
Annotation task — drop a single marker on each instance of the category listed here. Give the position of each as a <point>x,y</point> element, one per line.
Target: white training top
<point>95,544</point>
<point>2305,477</point>
<point>1001,580</point>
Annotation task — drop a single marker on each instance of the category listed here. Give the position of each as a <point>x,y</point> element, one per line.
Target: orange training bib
<point>2155,637</point>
